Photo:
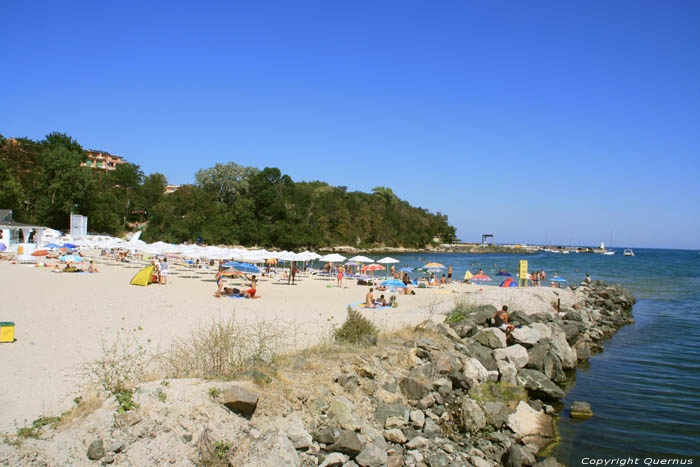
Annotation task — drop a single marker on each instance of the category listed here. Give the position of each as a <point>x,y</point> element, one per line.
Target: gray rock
<point>491,337</point>
<point>536,355</point>
<point>438,459</point>
<point>300,438</point>
<point>481,353</point>
<point>394,422</point>
<point>459,381</point>
<point>417,418</point>
<point>341,411</point>
<point>418,442</point>
<point>474,371</point>
<point>96,450</point>
<point>395,435</point>
<point>528,424</point>
<point>553,368</point>
<point>414,388</point>
<point>371,456</point>
<point>496,413</point>
<point>334,459</point>
<point>525,336</point>
<point>583,351</point>
<point>515,354</point>
<point>448,331</point>
<point>580,409</point>
<point>239,400</point>
<point>513,457</point>
<point>472,417</point>
<point>108,459</point>
<point>374,436</point>
<point>272,448</point>
<point>572,330</point>
<point>327,435</point>
<point>508,372</point>
<point>431,429</point>
<point>538,385</point>
<point>563,351</point>
<point>382,412</point>
<point>348,443</point>
<point>465,328</point>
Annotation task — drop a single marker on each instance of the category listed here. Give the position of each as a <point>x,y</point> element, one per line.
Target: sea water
<point>644,388</point>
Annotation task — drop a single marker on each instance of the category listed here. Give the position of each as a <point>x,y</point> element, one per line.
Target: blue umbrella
<point>3,247</point>
<point>71,258</point>
<point>243,267</point>
<point>52,245</point>
<point>558,279</point>
<point>393,283</point>
<point>504,274</point>
<point>69,245</point>
<point>406,269</point>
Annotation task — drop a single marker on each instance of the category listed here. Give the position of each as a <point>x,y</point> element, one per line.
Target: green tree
<point>225,182</point>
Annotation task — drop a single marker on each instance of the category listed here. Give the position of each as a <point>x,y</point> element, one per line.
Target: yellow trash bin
<point>7,331</point>
<point>20,250</point>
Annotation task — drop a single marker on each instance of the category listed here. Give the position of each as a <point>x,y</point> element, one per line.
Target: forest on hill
<point>43,181</point>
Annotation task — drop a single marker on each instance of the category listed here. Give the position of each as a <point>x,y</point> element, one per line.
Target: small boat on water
<point>609,253</point>
<point>629,252</point>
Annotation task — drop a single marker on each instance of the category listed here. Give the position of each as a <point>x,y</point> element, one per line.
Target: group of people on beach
<point>161,271</point>
<point>251,292</point>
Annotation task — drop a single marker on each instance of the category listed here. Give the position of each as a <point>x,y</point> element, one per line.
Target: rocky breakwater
<point>434,395</point>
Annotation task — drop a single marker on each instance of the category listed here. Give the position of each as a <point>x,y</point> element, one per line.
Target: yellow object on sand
<point>468,275</point>
<point>144,276</point>
<point>7,331</point>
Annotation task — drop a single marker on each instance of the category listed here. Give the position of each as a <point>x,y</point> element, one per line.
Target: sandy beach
<point>62,319</point>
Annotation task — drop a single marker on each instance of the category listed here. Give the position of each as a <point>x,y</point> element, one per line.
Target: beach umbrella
<point>434,266</point>
<point>374,267</point>
<point>509,283</point>
<point>481,277</point>
<point>406,269</point>
<point>69,245</point>
<point>361,259</point>
<point>40,253</point>
<point>52,246</point>
<point>3,247</point>
<point>71,258</point>
<point>504,274</point>
<point>388,260</point>
<point>393,283</point>
<point>333,258</point>
<point>243,267</point>
<point>468,275</point>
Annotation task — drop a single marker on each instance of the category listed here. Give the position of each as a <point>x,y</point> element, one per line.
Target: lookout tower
<point>485,238</point>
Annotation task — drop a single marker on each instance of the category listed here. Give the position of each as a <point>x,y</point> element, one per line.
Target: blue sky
<point>536,121</point>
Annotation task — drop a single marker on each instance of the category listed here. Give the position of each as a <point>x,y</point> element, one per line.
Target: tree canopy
<point>42,182</point>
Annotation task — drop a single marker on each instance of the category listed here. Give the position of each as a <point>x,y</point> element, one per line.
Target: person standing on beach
<point>164,271</point>
<point>341,270</point>
<point>292,273</point>
<point>449,273</point>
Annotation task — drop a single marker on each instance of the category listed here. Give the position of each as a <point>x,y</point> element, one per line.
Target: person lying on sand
<point>92,268</point>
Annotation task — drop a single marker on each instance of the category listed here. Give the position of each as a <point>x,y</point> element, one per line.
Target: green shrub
<point>498,392</point>
<point>35,429</point>
<point>356,329</point>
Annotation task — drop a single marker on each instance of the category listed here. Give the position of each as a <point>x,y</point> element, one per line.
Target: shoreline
<point>470,357</point>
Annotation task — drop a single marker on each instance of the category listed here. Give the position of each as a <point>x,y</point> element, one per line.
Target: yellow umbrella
<point>468,275</point>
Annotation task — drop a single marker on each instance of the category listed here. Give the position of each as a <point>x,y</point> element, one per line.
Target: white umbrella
<point>332,258</point>
<point>361,259</point>
<point>388,260</point>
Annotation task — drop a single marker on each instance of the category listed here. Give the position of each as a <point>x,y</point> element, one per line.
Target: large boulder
<point>482,353</point>
<point>272,448</point>
<point>348,443</point>
<point>562,349</point>
<point>472,417</point>
<point>297,434</point>
<point>552,368</point>
<point>342,413</point>
<point>371,456</point>
<point>537,353</point>
<point>530,425</point>
<point>414,388</point>
<point>515,354</point>
<point>465,328</point>
<point>239,400</point>
<point>508,372</point>
<point>526,336</point>
<point>474,371</point>
<point>538,385</point>
<point>491,337</point>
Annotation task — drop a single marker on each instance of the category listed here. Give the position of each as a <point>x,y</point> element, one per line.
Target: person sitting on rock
<point>501,320</point>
